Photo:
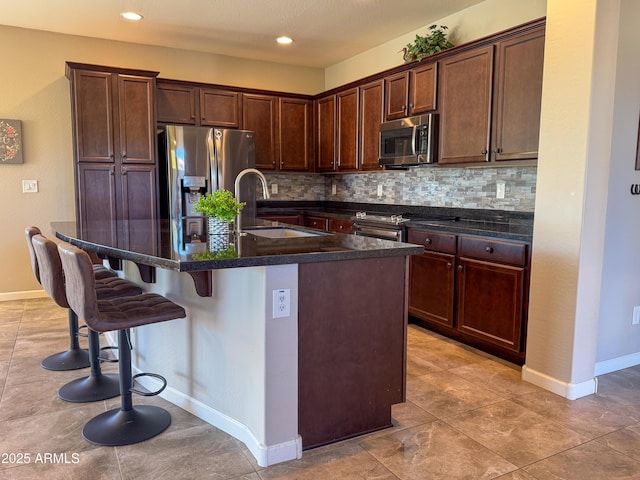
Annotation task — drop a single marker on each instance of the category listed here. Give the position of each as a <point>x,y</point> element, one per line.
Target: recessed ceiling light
<point>284,40</point>
<point>131,16</point>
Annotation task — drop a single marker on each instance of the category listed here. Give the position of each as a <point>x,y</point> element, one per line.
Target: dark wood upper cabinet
<point>422,88</point>
<point>220,108</point>
<point>465,106</point>
<point>347,134</point>
<point>176,103</point>
<point>326,128</point>
<point>371,102</point>
<point>490,101</point>
<point>137,136</point>
<point>518,97</point>
<point>295,138</point>
<point>411,92</point>
<point>259,115</point>
<point>396,89</point>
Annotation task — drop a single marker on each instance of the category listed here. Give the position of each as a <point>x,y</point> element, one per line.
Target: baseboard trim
<point>24,295</point>
<point>265,455</point>
<point>572,391</point>
<point>619,363</point>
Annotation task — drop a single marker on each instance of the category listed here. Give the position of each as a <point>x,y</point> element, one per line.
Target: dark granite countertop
<point>164,249</point>
<point>501,224</point>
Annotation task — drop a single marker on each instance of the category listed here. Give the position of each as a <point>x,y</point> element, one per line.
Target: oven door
<point>393,234</point>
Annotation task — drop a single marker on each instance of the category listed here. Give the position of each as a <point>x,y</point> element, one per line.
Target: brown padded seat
<point>128,424</point>
<point>108,315</point>
<point>96,386</point>
<point>99,270</point>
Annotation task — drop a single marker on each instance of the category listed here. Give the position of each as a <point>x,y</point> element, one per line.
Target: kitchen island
<point>290,341</point>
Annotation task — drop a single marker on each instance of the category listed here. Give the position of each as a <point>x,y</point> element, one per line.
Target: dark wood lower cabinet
<point>351,347</point>
<point>477,295</point>
<point>431,290</point>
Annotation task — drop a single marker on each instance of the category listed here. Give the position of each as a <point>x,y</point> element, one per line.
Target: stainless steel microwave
<point>409,141</point>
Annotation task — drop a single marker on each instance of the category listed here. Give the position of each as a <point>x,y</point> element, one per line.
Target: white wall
<point>481,20</point>
<point>35,90</point>
<point>619,340</point>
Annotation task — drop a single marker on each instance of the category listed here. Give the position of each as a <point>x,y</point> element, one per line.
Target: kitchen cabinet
<point>259,114</point>
<point>337,129</point>
<point>290,219</point>
<point>487,114</point>
<point>472,289</point>
<point>491,292</point>
<point>337,225</point>
<point>347,129</point>
<point>295,134</point>
<point>321,223</point>
<point>411,92</point>
<point>371,103</point>
<point>283,131</point>
<point>113,113</point>
<point>432,279</point>
<point>176,103</point>
<point>326,128</point>
<point>220,108</point>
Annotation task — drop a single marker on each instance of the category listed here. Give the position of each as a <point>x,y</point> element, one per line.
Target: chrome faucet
<point>265,191</point>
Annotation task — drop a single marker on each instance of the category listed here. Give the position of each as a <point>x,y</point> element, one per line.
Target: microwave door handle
<point>414,137</point>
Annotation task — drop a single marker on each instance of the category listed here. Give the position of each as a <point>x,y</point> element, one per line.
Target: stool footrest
<point>145,393</point>
<point>104,356</point>
<point>82,334</point>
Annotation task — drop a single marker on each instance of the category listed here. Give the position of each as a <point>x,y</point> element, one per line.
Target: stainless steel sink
<point>281,232</point>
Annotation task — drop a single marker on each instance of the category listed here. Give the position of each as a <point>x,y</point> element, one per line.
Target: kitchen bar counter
<point>163,249</point>
<point>289,344</point>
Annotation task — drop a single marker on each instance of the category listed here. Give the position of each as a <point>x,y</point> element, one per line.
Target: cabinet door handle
<point>497,150</point>
<point>427,241</point>
<point>449,264</point>
<point>460,268</point>
<point>489,249</point>
<point>484,151</point>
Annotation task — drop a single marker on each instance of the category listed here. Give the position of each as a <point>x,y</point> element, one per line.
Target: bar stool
<point>96,386</point>
<point>128,424</point>
<point>75,357</point>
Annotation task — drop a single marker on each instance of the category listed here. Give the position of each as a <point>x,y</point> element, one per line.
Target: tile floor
<point>468,416</point>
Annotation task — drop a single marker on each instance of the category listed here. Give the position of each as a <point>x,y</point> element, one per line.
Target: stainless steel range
<point>386,227</point>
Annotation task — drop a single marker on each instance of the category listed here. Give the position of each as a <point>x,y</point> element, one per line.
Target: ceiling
<point>325,32</point>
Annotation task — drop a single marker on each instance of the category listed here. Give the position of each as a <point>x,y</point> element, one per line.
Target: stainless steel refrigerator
<point>197,160</point>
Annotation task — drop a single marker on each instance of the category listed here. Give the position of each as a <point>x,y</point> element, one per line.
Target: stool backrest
<point>79,283</point>
<point>29,232</point>
<point>50,268</point>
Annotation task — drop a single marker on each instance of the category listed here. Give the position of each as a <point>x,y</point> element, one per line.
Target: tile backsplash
<point>422,186</point>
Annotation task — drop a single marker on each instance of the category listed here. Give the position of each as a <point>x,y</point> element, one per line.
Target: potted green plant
<point>423,46</point>
<point>221,207</point>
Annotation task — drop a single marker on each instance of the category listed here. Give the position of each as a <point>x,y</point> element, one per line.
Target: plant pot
<point>217,234</point>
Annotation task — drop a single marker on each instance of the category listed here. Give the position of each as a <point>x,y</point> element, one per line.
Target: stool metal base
<point>125,427</point>
<point>91,389</point>
<point>72,359</point>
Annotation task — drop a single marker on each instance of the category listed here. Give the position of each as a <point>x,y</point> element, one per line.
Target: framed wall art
<point>10,141</point>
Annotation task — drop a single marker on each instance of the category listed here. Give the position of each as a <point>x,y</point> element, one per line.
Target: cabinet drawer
<point>315,222</point>
<point>340,226</point>
<point>437,242</point>
<point>493,250</point>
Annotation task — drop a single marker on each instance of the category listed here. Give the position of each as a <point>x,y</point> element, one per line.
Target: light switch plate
<point>500,188</point>
<point>29,186</point>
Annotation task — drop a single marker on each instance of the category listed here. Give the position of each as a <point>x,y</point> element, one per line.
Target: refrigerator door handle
<point>213,161</point>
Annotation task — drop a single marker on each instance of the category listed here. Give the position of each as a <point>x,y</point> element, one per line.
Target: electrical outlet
<point>29,186</point>
<point>274,188</point>
<point>281,303</point>
<point>500,189</point>
<point>636,316</point>
<point>379,189</point>
<point>334,189</point>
